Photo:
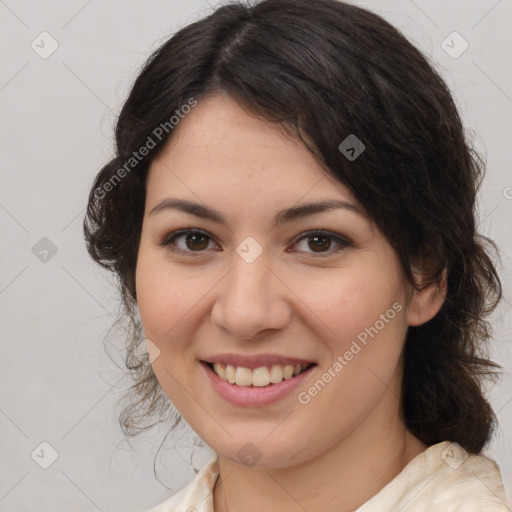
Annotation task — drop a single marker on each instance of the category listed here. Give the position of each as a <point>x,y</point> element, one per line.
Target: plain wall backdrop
<point>66,68</point>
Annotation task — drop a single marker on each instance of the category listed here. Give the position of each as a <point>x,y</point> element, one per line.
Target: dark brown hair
<point>326,70</point>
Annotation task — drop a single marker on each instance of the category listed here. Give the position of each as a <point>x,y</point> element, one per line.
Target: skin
<point>341,448</point>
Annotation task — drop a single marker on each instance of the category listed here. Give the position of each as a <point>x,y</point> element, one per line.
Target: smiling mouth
<point>259,377</point>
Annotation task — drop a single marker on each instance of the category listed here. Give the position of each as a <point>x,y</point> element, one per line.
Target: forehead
<point>220,149</point>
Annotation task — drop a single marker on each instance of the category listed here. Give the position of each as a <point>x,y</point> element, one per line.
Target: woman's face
<point>247,285</point>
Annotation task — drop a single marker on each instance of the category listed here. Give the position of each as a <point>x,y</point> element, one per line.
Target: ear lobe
<point>425,303</point>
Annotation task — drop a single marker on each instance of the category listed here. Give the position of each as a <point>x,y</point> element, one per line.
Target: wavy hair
<point>327,69</point>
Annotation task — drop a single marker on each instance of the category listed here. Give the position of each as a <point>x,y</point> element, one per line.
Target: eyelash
<point>343,242</point>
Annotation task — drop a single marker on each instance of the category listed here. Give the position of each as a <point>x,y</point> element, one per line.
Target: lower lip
<point>250,396</point>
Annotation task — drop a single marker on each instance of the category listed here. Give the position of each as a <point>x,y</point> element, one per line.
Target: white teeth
<point>220,371</point>
<point>288,371</point>
<point>243,377</point>
<point>276,374</point>
<point>259,377</point>
<point>230,374</point>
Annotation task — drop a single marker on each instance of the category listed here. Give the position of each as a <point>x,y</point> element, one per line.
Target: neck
<point>338,480</point>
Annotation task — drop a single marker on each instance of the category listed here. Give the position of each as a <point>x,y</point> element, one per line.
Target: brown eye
<point>321,242</point>
<point>187,241</point>
<point>196,242</point>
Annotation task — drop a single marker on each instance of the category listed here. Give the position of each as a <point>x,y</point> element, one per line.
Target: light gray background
<point>58,384</point>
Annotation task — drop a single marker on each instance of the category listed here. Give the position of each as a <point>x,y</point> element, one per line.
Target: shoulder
<point>443,478</point>
<point>197,496</point>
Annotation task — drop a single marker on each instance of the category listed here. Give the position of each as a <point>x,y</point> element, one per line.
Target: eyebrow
<point>282,217</point>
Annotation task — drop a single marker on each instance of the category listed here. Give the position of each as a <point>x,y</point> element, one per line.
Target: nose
<point>251,299</point>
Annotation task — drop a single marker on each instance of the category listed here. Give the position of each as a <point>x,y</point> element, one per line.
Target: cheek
<point>343,303</point>
<point>173,303</point>
<point>168,302</point>
<point>366,313</point>
<point>357,314</point>
<point>164,297</point>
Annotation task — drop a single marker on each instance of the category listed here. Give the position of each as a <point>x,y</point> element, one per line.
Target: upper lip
<point>255,361</point>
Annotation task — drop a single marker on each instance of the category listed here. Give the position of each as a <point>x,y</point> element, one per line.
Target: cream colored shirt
<point>444,478</point>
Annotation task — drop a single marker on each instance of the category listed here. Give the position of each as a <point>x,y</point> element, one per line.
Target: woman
<point>291,215</point>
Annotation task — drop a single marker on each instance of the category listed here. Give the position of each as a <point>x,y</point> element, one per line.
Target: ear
<point>424,304</point>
